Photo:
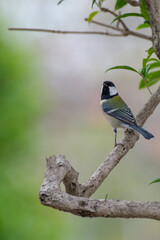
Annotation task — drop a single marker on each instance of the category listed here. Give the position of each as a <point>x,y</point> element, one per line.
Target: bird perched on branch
<point>117,112</point>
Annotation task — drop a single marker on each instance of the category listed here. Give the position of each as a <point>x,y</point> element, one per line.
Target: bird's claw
<point>116,144</point>
<point>128,130</point>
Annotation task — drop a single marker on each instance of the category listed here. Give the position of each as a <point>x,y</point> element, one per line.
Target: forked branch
<point>76,201</point>
<point>123,31</point>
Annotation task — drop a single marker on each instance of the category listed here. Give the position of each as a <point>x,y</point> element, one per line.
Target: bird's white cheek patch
<point>112,91</point>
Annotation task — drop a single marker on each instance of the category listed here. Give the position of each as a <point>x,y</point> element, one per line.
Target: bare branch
<point>124,33</point>
<point>59,169</point>
<point>105,25</point>
<point>51,195</point>
<point>116,15</point>
<point>140,35</point>
<point>65,32</point>
<point>134,3</point>
<point>146,83</point>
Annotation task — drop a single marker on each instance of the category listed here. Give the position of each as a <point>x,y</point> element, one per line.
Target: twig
<point>146,84</point>
<point>116,15</point>
<point>105,25</point>
<point>124,33</point>
<point>140,35</point>
<point>127,30</point>
<point>65,32</point>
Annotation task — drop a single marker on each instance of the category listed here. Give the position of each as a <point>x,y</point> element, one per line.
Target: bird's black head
<point>108,84</point>
<point>108,90</point>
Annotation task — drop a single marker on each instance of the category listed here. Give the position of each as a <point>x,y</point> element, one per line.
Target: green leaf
<point>150,51</point>
<point>146,70</point>
<point>154,65</point>
<point>143,25</point>
<point>147,22</point>
<point>141,71</point>
<point>92,15</point>
<point>60,2</point>
<point>152,82</point>
<point>122,67</point>
<point>127,15</point>
<point>145,62</point>
<point>144,10</point>
<point>93,2</point>
<point>153,59</point>
<point>99,3</point>
<point>120,4</point>
<point>151,79</point>
<point>155,181</point>
<point>148,59</point>
<point>153,75</point>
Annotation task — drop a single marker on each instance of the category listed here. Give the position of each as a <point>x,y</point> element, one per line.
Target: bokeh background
<point>49,104</point>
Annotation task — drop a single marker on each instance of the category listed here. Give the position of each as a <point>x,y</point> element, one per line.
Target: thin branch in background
<point>65,32</point>
<point>81,32</point>
<point>146,83</point>
<point>105,25</point>
<point>118,22</point>
<point>116,15</point>
<point>125,33</point>
<point>140,35</point>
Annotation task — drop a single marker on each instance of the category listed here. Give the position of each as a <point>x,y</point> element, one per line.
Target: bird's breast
<point>115,123</point>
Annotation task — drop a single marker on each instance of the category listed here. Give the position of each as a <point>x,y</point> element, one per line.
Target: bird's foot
<point>128,130</point>
<point>118,144</point>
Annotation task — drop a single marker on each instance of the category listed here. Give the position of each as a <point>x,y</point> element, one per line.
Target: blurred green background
<point>49,104</point>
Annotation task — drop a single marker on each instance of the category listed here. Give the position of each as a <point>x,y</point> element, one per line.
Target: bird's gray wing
<point>125,115</point>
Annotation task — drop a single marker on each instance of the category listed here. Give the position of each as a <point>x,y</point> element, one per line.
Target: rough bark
<point>153,7</point>
<point>52,196</point>
<point>76,201</point>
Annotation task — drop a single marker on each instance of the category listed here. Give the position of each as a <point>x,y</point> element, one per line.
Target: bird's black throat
<point>106,93</point>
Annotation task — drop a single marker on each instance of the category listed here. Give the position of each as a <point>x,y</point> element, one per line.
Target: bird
<point>117,112</point>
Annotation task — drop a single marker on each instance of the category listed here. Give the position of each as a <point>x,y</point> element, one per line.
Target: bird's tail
<point>142,131</point>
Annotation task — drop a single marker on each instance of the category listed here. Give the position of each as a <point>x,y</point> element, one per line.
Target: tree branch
<point>66,32</point>
<point>51,195</point>
<point>115,15</point>
<point>75,201</point>
<point>124,33</point>
<point>154,14</point>
<point>105,25</point>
